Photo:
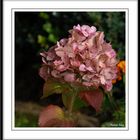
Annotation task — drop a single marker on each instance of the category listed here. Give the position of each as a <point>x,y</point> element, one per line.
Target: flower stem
<point>74,94</point>
<point>114,106</point>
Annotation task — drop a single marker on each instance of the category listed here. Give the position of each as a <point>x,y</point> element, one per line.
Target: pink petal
<point>60,51</point>
<point>111,53</point>
<point>69,51</point>
<point>88,31</point>
<point>88,84</point>
<point>90,69</point>
<point>77,27</point>
<point>69,77</point>
<point>55,73</point>
<point>75,63</point>
<point>82,67</point>
<point>63,41</point>
<point>85,33</point>
<point>81,47</point>
<point>87,77</point>
<point>44,54</point>
<point>107,73</point>
<point>103,81</point>
<point>74,46</point>
<point>101,64</point>
<point>57,62</point>
<point>99,39</point>
<point>44,72</point>
<point>93,29</point>
<point>61,68</point>
<point>44,60</point>
<point>108,86</point>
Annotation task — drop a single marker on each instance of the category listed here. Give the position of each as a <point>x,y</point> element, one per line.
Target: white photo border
<point>11,10</point>
<point>126,11</point>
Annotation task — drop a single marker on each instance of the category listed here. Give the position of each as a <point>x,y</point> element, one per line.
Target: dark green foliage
<point>118,116</point>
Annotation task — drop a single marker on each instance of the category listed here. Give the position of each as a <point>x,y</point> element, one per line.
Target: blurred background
<point>37,31</point>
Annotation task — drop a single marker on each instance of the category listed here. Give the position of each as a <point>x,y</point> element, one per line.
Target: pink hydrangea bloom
<point>84,58</point>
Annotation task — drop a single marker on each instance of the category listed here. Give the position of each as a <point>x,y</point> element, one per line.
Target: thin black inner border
<point>1,70</point>
<point>13,10</point>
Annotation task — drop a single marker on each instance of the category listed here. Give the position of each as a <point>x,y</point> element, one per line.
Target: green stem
<point>111,100</point>
<point>74,94</point>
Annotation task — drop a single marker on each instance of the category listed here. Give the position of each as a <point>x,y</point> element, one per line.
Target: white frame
<point>130,131</point>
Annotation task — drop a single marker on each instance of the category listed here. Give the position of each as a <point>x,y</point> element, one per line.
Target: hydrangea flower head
<point>84,58</point>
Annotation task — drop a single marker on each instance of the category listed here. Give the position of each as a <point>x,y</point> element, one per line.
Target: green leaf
<point>67,99</point>
<point>52,38</point>
<point>54,87</point>
<point>41,40</point>
<point>107,104</point>
<point>44,15</point>
<point>47,27</point>
<point>77,102</point>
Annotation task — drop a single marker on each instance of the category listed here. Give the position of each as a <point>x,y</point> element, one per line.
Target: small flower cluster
<point>84,58</point>
<point>121,66</point>
<point>121,71</point>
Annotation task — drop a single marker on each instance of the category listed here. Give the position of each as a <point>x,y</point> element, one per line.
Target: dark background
<point>36,31</point>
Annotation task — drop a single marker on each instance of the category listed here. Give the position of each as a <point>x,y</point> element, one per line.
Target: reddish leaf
<point>93,98</point>
<point>54,116</point>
